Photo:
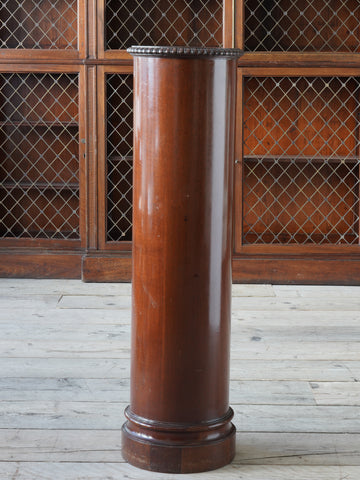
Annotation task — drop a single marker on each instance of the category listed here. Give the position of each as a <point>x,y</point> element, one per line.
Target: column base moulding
<point>40,265</point>
<point>178,448</point>
<point>106,268</point>
<point>297,271</point>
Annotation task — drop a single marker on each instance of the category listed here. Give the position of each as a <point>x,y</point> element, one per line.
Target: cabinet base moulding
<point>297,271</point>
<point>42,265</point>
<point>246,269</point>
<point>276,270</point>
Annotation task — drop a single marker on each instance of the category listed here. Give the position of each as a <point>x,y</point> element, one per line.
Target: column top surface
<point>184,51</point>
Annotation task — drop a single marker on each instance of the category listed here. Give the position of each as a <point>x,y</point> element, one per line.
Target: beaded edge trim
<point>185,51</point>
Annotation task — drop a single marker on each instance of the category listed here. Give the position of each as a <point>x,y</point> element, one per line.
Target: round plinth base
<point>169,450</point>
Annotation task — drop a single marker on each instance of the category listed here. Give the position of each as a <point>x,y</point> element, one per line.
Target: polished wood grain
<point>105,268</point>
<point>179,418</point>
<point>301,270</point>
<point>38,265</point>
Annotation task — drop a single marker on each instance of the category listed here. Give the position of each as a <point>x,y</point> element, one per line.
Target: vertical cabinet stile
<point>238,167</point>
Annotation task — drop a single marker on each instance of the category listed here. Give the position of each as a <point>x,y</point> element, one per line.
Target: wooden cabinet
<point>297,166</point>
<point>66,115</point>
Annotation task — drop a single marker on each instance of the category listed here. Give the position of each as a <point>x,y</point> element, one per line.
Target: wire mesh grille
<point>302,25</point>
<point>119,90</point>
<point>164,22</point>
<point>39,148</point>
<point>301,160</point>
<point>33,24</point>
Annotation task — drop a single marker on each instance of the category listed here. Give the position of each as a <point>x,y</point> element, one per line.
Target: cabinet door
<point>43,30</point>
<point>115,100</point>
<point>300,164</point>
<point>166,22</point>
<point>300,26</point>
<point>41,165</point>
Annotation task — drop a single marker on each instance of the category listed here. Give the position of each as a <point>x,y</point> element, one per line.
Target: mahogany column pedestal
<point>179,418</point>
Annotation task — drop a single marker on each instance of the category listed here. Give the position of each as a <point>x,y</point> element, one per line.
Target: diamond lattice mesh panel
<point>164,22</point>
<point>302,25</point>
<point>33,24</point>
<point>39,148</point>
<point>301,160</point>
<point>119,90</point>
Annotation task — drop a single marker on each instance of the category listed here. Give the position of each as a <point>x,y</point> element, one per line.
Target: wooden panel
<point>238,168</point>
<point>229,9</point>
<point>85,27</point>
<point>83,157</point>
<point>34,265</point>
<point>239,23</point>
<point>304,61</point>
<point>246,270</point>
<point>106,269</point>
<point>297,270</point>
<point>92,158</point>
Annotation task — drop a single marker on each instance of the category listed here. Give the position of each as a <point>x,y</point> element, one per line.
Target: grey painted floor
<point>64,382</point>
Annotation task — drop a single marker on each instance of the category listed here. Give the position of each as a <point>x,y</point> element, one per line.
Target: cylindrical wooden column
<point>179,418</point>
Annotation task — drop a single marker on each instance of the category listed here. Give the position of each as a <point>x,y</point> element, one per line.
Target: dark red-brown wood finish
<point>179,419</point>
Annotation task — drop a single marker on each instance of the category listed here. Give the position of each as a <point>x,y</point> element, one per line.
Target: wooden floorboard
<point>252,448</point>
<point>118,390</point>
<point>64,382</point>
<point>117,471</point>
